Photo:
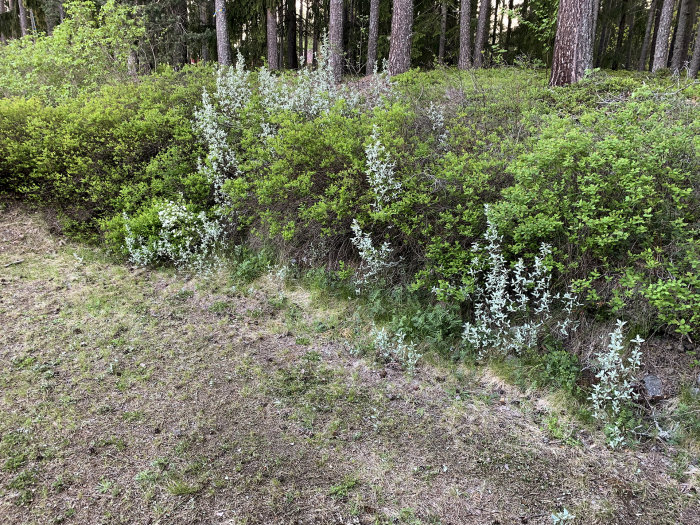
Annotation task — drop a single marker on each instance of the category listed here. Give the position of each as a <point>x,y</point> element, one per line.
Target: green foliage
<point>89,48</point>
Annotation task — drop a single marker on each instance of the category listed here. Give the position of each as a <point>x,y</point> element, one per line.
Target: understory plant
<point>513,307</point>
<point>614,392</point>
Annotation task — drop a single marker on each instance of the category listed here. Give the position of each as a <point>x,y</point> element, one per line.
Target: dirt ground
<point>130,395</point>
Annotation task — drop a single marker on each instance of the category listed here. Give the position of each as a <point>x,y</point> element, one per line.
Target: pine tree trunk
<point>61,12</point>
<point>620,36</point>
<point>644,55</point>
<point>3,39</point>
<point>443,30</point>
<point>661,49</point>
<point>510,22</point>
<point>401,29</point>
<point>300,27</point>
<point>335,35</point>
<point>204,9</point>
<point>317,30</point>
<point>272,59</point>
<point>482,30</point>
<point>23,25</point>
<point>291,27</point>
<point>465,45</point>
<point>495,24</point>
<point>573,45</point>
<point>680,49</point>
<point>180,13</point>
<point>373,36</point>
<point>306,34</point>
<point>695,60</point>
<point>223,46</point>
<point>604,35</point>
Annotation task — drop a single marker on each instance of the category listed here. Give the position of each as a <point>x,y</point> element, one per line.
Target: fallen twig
<point>20,261</point>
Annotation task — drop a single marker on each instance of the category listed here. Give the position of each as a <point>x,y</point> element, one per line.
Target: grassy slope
<point>138,396</point>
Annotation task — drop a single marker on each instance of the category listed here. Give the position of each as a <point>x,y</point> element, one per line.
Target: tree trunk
<point>644,55</point>
<point>223,46</point>
<point>271,39</point>
<point>443,30</point>
<point>695,61</point>
<point>482,30</point>
<point>22,18</point>
<point>661,50</point>
<point>180,13</point>
<point>680,49</point>
<point>317,30</point>
<point>604,35</point>
<point>465,45</point>
<point>204,8</point>
<point>401,29</point>
<point>573,45</point>
<point>335,26</point>
<point>61,12</point>
<point>373,36</point>
<point>620,36</point>
<point>3,39</point>
<point>495,24</point>
<point>291,27</point>
<point>300,27</point>
<point>510,22</point>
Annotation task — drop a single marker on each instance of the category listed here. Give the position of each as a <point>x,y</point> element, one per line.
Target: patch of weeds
<point>69,513</point>
<point>303,341</point>
<point>178,487</point>
<point>106,486</point>
<point>112,441</point>
<point>182,296</point>
<point>561,432</point>
<point>249,264</point>
<point>61,483</point>
<point>687,415</point>
<point>219,307</point>
<point>23,483</point>
<point>23,362</point>
<point>147,477</point>
<point>278,302</point>
<point>342,489</point>
<point>133,417</point>
<point>15,462</point>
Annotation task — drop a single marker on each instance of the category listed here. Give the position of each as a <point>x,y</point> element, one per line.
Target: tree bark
<point>401,29</point>
<point>680,49</point>
<point>482,30</point>
<point>661,49</point>
<point>291,27</point>
<point>695,61</point>
<point>510,22</point>
<point>573,44</point>
<point>644,55</point>
<point>180,13</point>
<point>317,30</point>
<point>3,38</point>
<point>604,34</point>
<point>300,27</point>
<point>465,44</point>
<point>61,12</point>
<point>223,45</point>
<point>495,24</point>
<point>620,36</point>
<point>335,36</point>
<point>204,9</point>
<point>443,30</point>
<point>373,37</point>
<point>272,59</point>
<point>23,25</point>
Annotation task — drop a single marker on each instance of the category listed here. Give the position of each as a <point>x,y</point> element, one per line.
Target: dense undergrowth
<point>380,188</point>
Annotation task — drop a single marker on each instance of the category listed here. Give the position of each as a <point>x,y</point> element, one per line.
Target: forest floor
<point>131,395</point>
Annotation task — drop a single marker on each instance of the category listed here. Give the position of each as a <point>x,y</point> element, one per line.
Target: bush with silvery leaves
<point>396,348</point>
<point>375,261</point>
<point>513,307</point>
<point>380,172</point>
<point>170,232</point>
<point>614,390</point>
